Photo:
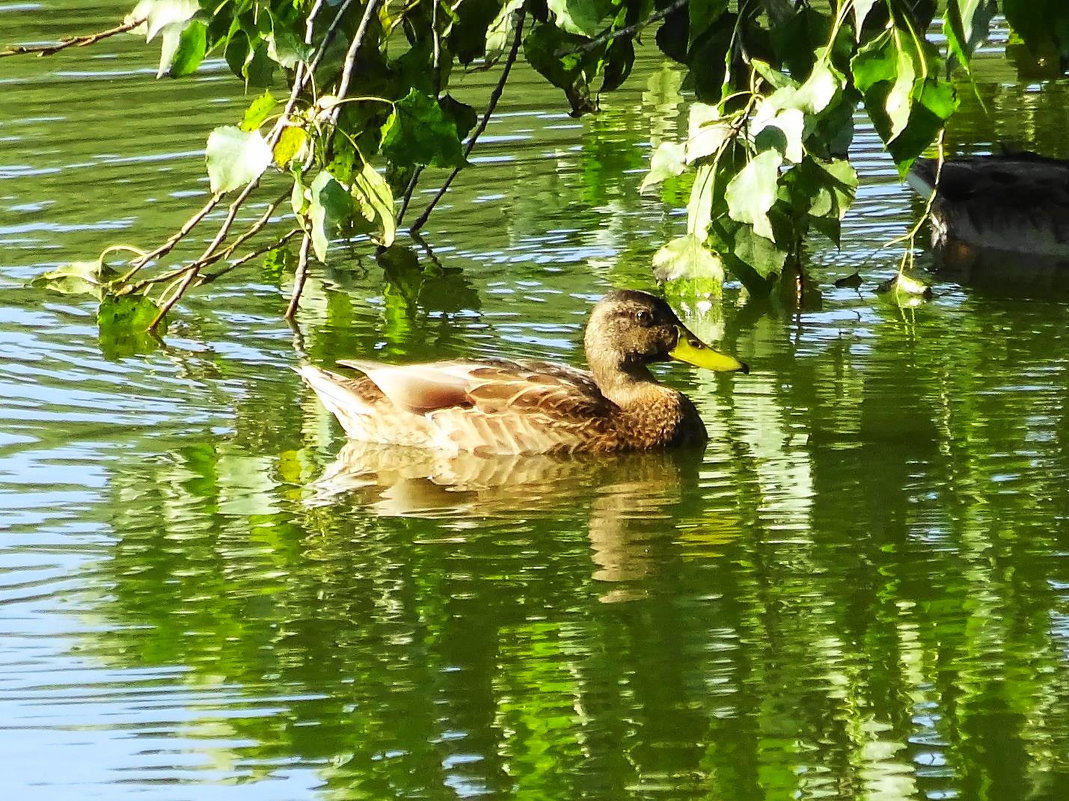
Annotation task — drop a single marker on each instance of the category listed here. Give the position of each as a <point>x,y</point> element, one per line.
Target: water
<point>859,591</point>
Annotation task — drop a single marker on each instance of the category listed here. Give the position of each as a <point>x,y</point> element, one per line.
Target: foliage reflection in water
<point>860,590</point>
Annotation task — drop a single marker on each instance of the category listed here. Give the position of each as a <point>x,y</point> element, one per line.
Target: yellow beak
<point>692,350</point>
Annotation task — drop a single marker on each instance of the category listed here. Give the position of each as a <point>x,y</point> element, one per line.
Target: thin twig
<point>70,41</point>
<point>619,33</point>
<point>407,197</point>
<point>175,238</point>
<point>286,237</point>
<point>300,277</point>
<point>191,274</point>
<point>495,96</point>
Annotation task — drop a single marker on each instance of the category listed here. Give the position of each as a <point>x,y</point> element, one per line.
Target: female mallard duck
<point>1014,201</point>
<point>500,406</point>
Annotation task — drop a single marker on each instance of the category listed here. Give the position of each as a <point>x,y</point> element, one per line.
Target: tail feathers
<point>333,391</point>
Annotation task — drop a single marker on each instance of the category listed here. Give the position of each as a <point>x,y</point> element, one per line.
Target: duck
<point>500,406</point>
<point>1013,201</point>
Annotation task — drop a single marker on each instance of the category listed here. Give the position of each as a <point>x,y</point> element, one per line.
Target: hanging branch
<point>630,30</point>
<point>70,41</point>
<point>495,96</point>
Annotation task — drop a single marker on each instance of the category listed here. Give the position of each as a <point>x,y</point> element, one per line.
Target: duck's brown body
<point>510,407</point>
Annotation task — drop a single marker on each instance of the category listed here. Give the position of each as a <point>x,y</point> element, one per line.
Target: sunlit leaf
<point>258,111</point>
<point>820,88</point>
<point>751,193</point>
<point>706,132</point>
<point>329,208</point>
<point>787,125</point>
<point>158,14</point>
<point>235,157</point>
<point>500,34</point>
<point>899,98</point>
<point>874,63</point>
<point>375,200</point>
<point>904,290</point>
<point>290,144</point>
<point>76,278</point>
<point>861,13</point>
<point>666,162</point>
<point>687,258</point>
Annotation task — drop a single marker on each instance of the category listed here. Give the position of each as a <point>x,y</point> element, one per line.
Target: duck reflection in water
<point>631,501</point>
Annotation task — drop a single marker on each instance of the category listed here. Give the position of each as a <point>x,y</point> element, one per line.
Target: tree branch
<point>70,41</point>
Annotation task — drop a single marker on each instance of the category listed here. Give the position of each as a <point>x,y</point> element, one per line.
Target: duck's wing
<point>496,406</point>
<point>530,407</point>
<point>1011,202</point>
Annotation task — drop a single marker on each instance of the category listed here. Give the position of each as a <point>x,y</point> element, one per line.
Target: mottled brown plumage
<point>1013,202</point>
<point>512,407</point>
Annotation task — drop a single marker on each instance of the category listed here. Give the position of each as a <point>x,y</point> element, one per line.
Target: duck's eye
<point>644,317</point>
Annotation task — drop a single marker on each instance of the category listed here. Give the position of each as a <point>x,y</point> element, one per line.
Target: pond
<point>859,591</point>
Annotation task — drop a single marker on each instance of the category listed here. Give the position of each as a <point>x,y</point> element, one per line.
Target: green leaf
<point>235,157</point>
<point>584,17</point>
<point>874,63</point>
<point>819,89</point>
<point>418,132</point>
<point>702,15</point>
<point>192,45</point>
<point>123,326</point>
<point>751,193</point>
<point>375,201</point>
<point>783,130</point>
<point>687,258</point>
<point>286,48</point>
<point>750,251</point>
<point>463,116</point>
<point>965,26</point>
<point>467,35</point>
<point>666,162</point>
<point>258,111</point>
<point>558,57</point>
<point>330,207</point>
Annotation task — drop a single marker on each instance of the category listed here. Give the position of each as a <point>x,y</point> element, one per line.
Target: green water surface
<point>860,590</point>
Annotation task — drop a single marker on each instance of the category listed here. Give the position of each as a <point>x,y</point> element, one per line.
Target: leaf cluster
<point>776,86</point>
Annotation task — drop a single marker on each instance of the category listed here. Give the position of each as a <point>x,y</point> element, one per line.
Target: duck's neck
<point>651,414</point>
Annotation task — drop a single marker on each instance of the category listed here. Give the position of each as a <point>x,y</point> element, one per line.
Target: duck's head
<point>629,329</point>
